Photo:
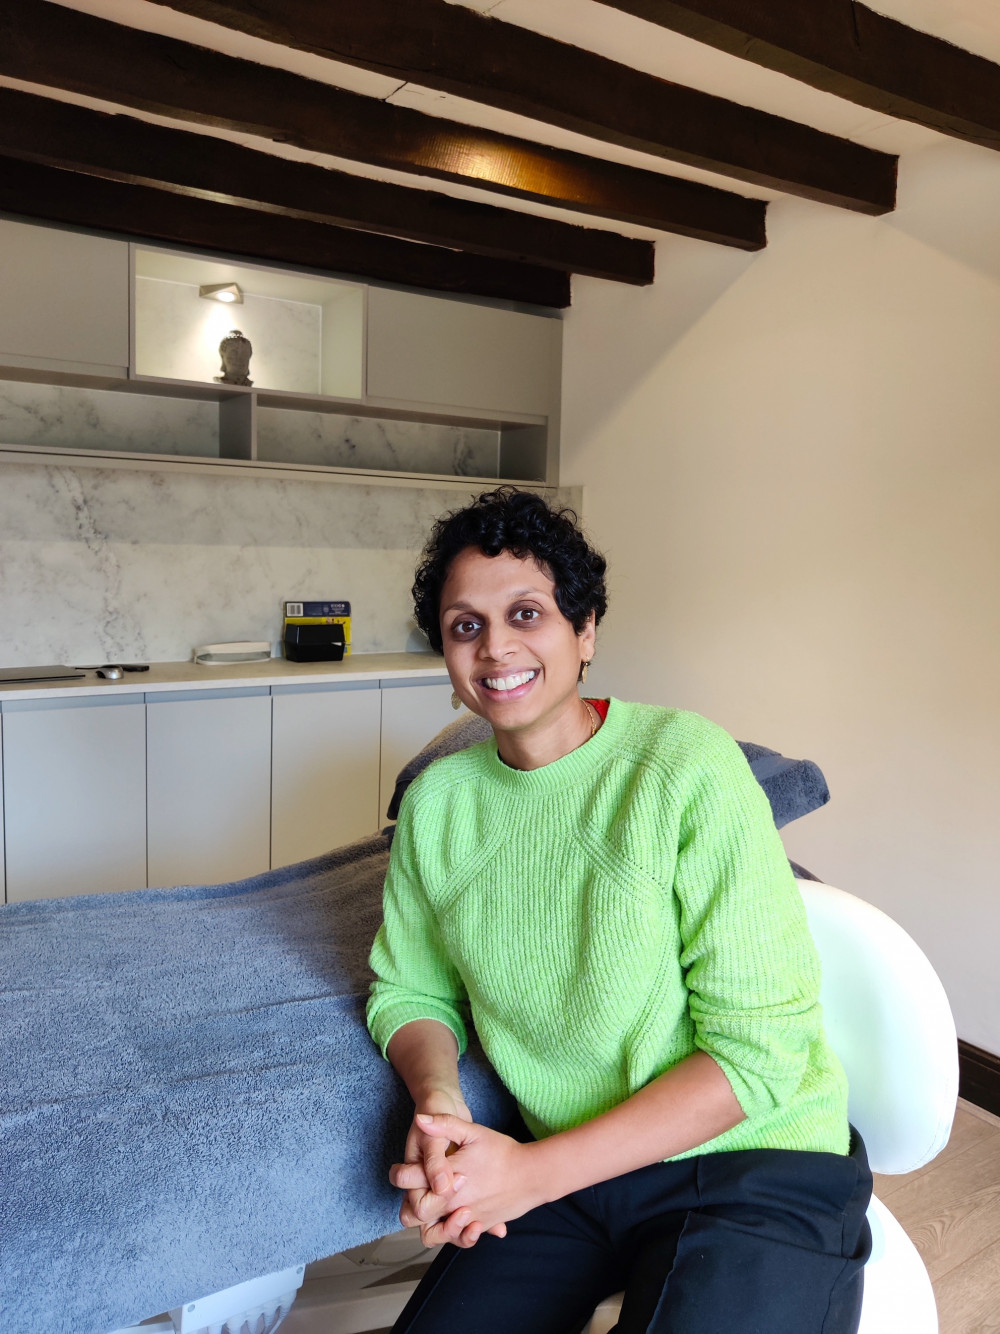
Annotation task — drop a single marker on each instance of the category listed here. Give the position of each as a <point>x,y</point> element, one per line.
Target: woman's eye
<point>464,629</point>
<point>525,615</point>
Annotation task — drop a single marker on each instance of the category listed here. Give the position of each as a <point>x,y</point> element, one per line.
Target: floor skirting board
<point>979,1077</point>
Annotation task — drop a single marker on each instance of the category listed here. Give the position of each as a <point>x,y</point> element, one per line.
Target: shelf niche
<point>109,420</point>
<point>307,333</point>
<point>382,442</point>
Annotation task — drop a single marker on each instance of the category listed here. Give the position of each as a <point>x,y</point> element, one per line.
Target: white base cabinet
<point>209,799</point>
<point>3,848</point>
<point>411,716</point>
<point>324,768</point>
<point>182,787</point>
<point>74,785</point>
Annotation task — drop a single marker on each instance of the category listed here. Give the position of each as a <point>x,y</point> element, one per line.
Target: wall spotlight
<point>231,293</point>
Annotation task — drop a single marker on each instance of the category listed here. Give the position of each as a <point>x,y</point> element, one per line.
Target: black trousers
<point>755,1242</point>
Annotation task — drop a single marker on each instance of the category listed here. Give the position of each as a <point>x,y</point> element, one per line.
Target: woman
<point>602,884</point>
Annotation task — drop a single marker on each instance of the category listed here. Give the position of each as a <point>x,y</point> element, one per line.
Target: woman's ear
<point>588,639</point>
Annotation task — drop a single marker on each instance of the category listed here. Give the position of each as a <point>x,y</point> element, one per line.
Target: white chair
<point>889,1021</point>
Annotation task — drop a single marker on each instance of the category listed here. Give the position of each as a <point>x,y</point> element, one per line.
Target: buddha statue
<point>235,350</point>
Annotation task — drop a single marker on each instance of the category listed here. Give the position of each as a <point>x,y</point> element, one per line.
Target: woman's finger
<point>436,1167</point>
<point>429,1208</point>
<point>441,1125</point>
<point>408,1176</point>
<point>448,1229</point>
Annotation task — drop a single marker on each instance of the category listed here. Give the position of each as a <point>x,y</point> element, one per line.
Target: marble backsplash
<point>107,564</point>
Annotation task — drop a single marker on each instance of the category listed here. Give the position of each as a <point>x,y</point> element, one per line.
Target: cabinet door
<point>425,349</point>
<point>411,715</point>
<point>209,785</point>
<point>64,300</point>
<point>74,796</point>
<point>3,859</point>
<point>324,767</point>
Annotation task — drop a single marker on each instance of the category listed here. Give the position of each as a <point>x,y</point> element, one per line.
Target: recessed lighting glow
<point>231,293</point>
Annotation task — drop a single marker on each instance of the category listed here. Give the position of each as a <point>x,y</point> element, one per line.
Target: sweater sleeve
<point>414,977</point>
<point>751,967</point>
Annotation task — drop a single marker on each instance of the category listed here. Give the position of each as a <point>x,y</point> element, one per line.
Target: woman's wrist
<point>551,1168</point>
<point>438,1097</point>
<point>424,1053</point>
<point>685,1107</point>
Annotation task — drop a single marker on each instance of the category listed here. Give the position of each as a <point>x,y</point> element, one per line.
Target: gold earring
<point>583,669</point>
<point>456,703</point>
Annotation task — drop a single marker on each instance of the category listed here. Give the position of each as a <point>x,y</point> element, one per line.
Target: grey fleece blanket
<point>188,1095</point>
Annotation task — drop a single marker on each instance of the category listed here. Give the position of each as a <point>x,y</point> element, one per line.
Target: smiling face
<point>513,657</point>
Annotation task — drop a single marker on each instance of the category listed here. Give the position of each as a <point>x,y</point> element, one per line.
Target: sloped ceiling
<point>494,147</point>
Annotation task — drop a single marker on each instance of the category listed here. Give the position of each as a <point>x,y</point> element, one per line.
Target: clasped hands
<point>462,1179</point>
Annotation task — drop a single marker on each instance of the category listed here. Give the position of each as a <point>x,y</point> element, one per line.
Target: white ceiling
<point>974,24</point>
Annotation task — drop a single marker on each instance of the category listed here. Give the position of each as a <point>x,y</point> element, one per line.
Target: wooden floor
<point>951,1209</point>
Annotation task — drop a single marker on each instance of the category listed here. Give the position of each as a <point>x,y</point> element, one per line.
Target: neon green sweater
<point>603,917</point>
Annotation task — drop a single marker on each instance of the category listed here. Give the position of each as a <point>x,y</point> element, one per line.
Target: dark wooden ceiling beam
<point>57,47</point>
<point>123,148</point>
<point>848,49</point>
<point>455,49</point>
<point>30,189</point>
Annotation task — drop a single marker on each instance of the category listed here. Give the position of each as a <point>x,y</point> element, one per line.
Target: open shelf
<point>467,393</point>
<point>223,467</point>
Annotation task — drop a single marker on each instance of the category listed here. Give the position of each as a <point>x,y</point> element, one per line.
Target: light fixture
<point>231,293</point>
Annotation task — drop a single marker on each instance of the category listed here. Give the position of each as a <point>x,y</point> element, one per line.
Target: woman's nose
<point>497,642</point>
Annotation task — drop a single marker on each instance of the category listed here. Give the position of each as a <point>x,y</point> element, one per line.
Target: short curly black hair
<point>522,523</point>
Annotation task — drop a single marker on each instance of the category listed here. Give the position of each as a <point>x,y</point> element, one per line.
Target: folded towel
<point>793,787</point>
<point>188,1094</point>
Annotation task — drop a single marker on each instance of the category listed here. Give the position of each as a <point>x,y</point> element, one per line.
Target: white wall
<point>793,462</point>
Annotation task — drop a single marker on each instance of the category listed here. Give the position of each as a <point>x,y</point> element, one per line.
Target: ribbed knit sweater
<point>605,916</point>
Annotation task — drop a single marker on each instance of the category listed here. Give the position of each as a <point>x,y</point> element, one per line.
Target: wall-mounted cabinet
<point>109,349</point>
<point>63,301</point>
<point>432,350</point>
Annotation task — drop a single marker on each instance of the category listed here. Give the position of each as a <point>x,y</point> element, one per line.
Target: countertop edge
<point>169,677</point>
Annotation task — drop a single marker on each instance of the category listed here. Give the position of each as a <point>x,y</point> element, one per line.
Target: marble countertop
<point>176,676</point>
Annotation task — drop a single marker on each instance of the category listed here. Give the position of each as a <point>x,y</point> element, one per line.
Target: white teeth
<point>508,682</point>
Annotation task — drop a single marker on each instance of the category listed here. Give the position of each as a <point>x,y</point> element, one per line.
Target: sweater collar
<point>579,765</point>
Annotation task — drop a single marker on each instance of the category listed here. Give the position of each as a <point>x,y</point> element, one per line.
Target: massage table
<point>191,1109</point>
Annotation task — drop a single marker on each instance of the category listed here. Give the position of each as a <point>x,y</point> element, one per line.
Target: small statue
<point>235,351</point>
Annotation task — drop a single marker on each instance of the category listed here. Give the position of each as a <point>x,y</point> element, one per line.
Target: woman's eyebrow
<point>513,597</point>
